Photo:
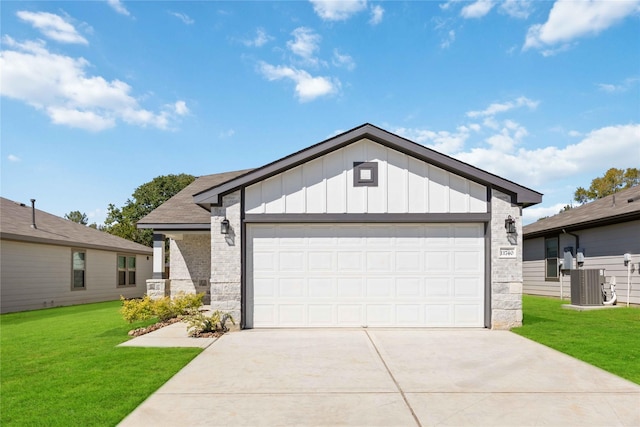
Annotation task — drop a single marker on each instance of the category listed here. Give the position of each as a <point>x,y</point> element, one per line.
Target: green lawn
<point>61,367</point>
<point>608,338</point>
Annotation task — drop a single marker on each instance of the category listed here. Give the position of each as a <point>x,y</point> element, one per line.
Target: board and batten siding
<point>604,249</point>
<point>405,185</point>
<point>34,276</point>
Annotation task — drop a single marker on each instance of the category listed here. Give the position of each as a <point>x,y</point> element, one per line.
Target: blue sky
<point>100,97</point>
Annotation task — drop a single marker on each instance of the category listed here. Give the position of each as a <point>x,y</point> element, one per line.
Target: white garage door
<point>314,275</point>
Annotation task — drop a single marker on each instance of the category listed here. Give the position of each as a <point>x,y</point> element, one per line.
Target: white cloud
<point>181,108</point>
<point>52,26</point>
<point>569,20</point>
<point>305,43</point>
<point>574,134</point>
<point>441,141</point>
<point>59,86</point>
<point>377,12</point>
<point>520,9</point>
<point>118,7</point>
<point>307,87</point>
<point>450,38</point>
<point>343,60</point>
<point>183,17</point>
<point>601,148</point>
<point>13,158</point>
<point>477,9</point>
<point>227,134</point>
<point>621,87</point>
<point>259,40</point>
<point>338,10</point>
<point>496,108</point>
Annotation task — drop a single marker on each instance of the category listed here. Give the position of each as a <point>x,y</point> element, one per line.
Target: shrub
<point>164,308</point>
<point>201,324</point>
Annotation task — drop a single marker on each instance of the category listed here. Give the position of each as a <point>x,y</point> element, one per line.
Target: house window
<point>551,258</point>
<point>78,267</point>
<point>126,270</point>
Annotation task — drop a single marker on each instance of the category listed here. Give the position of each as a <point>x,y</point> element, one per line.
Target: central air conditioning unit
<point>586,287</point>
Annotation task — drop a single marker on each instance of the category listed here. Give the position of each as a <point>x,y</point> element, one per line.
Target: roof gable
<point>520,195</point>
<point>619,207</point>
<point>16,224</point>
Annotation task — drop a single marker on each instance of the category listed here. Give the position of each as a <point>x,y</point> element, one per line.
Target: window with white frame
<point>126,270</point>
<point>78,269</point>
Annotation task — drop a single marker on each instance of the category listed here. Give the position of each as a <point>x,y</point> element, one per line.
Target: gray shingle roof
<point>16,220</point>
<point>620,207</point>
<point>180,212</point>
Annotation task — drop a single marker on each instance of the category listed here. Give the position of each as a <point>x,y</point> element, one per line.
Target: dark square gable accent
<point>365,174</point>
<point>519,194</point>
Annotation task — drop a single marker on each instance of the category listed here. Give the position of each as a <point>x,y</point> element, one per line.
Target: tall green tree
<point>122,221</point>
<point>611,182</point>
<point>77,216</point>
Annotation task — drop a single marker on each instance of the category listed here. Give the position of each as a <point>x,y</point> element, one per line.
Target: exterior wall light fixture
<point>510,225</point>
<point>224,226</point>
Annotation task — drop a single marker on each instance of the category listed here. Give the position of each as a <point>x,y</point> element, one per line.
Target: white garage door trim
<point>378,275</point>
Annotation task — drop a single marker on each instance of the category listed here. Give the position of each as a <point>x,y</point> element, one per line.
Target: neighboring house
<point>48,261</point>
<point>602,231</point>
<point>363,229</point>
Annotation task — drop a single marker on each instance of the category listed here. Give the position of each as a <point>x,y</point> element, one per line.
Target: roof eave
<point>212,197</point>
<point>600,222</point>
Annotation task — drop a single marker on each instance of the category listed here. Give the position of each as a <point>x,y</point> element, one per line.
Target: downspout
<point>33,213</point>
<point>576,237</point>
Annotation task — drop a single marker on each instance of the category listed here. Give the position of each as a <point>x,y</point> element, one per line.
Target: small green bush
<point>200,324</point>
<point>134,310</point>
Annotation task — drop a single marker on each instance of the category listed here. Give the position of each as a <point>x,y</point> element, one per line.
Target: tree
<point>611,182</point>
<point>122,221</point>
<point>77,216</point>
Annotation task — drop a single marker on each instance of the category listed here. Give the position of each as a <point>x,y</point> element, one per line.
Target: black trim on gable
<point>522,195</point>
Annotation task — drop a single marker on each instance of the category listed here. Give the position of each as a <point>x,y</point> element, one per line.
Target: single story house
<point>48,261</point>
<point>363,229</point>
<point>597,235</point>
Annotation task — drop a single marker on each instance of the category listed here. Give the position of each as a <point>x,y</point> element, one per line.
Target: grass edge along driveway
<point>607,338</point>
<point>61,366</point>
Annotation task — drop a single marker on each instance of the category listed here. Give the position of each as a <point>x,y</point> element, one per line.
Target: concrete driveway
<point>384,377</point>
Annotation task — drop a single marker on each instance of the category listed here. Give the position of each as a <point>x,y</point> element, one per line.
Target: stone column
<point>506,264</point>
<point>226,257</point>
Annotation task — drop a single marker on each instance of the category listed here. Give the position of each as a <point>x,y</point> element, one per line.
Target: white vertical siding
<point>405,185</point>
<point>36,276</point>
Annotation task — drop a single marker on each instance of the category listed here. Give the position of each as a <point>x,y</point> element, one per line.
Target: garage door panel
<point>291,287</point>
<point>408,287</point>
<point>291,261</point>
<point>437,262</point>
<point>349,315</point>
<point>438,287</point>
<point>350,261</point>
<point>469,260</point>
<point>466,288</point>
<point>439,315</point>
<point>379,261</point>
<point>379,314</point>
<point>321,315</point>
<point>350,287</point>
<point>366,275</point>
<point>321,287</point>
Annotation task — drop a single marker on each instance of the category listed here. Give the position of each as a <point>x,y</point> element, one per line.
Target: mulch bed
<point>141,331</point>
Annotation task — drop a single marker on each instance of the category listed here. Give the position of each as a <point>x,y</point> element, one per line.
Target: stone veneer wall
<point>506,273</point>
<point>226,269</point>
<point>190,258</point>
